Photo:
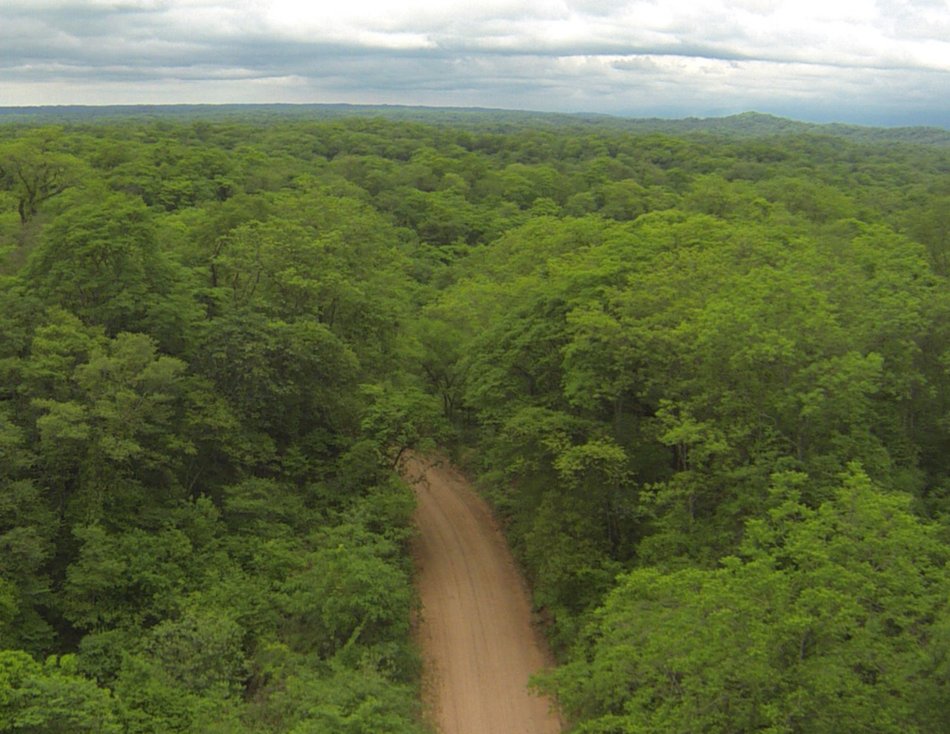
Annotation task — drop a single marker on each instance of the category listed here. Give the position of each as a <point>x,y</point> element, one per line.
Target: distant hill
<point>756,124</point>
<point>744,125</point>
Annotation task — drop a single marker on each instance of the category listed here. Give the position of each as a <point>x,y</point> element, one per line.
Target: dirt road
<point>476,636</point>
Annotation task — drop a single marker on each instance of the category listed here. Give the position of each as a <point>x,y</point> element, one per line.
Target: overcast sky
<point>872,61</point>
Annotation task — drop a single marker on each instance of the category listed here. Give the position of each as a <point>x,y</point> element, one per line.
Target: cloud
<point>845,58</point>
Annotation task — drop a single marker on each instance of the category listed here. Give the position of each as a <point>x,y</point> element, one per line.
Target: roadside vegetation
<point>704,377</point>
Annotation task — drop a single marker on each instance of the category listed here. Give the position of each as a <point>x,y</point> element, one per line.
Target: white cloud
<point>687,56</point>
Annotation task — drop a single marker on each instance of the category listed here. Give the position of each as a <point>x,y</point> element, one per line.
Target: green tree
<point>50,698</point>
<point>348,594</point>
<point>818,626</point>
<point>101,261</point>
<point>36,171</point>
<point>401,419</point>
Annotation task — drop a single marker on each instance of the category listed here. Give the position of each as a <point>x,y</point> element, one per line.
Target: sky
<point>861,61</point>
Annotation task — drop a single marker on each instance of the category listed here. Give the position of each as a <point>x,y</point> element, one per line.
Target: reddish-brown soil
<point>479,647</point>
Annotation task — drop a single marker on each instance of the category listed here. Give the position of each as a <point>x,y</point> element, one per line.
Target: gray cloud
<point>853,60</point>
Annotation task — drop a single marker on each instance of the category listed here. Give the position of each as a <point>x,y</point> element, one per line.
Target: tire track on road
<point>478,644</point>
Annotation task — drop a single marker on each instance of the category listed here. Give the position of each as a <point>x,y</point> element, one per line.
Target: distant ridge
<point>758,124</point>
<point>743,125</point>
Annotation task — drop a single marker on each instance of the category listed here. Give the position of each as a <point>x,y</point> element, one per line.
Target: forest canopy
<point>702,374</point>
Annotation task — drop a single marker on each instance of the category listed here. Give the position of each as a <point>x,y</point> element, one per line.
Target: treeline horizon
<point>742,125</point>
<point>703,375</point>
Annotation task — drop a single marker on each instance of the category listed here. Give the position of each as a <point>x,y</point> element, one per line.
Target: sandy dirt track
<point>478,644</point>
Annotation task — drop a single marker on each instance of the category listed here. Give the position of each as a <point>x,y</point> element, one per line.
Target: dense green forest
<point>703,375</point>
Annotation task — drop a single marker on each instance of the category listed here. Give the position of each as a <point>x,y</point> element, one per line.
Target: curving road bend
<point>477,640</point>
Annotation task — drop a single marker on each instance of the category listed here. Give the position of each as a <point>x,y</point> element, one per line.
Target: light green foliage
<point>398,420</point>
<point>638,383</point>
<point>348,702</point>
<point>52,698</point>
<point>35,170</point>
<point>217,336</point>
<point>27,532</point>
<point>440,342</point>
<point>201,651</point>
<point>348,592</point>
<point>132,579</point>
<point>151,702</point>
<point>56,348</point>
<point>818,626</point>
<point>118,427</point>
<point>101,261</point>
